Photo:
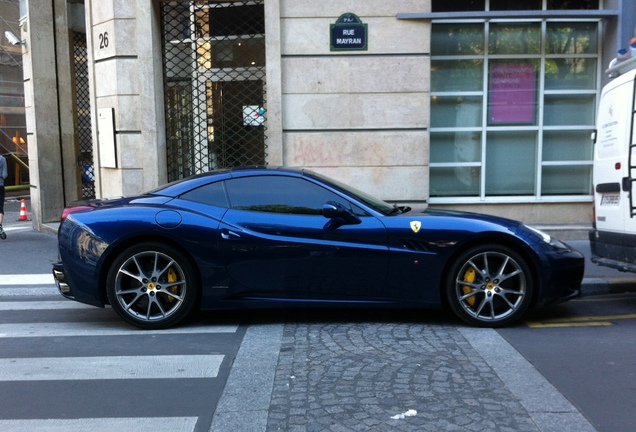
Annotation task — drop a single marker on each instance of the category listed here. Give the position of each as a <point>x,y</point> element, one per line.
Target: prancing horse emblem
<point>416,225</point>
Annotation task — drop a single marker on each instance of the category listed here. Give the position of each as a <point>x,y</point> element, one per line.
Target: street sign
<point>348,34</point>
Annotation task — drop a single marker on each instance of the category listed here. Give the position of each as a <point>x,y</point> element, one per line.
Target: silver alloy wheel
<point>491,286</point>
<point>150,286</point>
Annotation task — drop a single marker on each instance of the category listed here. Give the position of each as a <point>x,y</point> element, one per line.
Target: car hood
<point>458,223</point>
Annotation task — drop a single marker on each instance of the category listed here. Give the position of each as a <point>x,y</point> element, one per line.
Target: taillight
<point>69,210</point>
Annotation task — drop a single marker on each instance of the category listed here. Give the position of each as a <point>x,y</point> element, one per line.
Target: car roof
<point>179,187</point>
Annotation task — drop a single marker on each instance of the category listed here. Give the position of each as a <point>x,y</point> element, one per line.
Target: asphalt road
<point>587,350</point>
<point>67,366</point>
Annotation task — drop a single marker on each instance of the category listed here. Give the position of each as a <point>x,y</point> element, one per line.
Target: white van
<point>613,237</point>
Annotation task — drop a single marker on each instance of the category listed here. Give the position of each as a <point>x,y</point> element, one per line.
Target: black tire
<point>152,286</point>
<point>489,286</point>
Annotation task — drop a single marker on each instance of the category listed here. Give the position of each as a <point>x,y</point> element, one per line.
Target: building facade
<point>476,105</point>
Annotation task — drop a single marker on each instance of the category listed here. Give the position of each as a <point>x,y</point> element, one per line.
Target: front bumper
<point>566,273</point>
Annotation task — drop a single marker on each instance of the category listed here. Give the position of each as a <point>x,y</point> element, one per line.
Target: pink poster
<point>512,91</point>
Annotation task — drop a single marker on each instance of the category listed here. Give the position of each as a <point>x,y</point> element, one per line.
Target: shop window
<point>504,5</point>
<point>451,39</point>
<point>455,181</point>
<point>457,75</point>
<point>512,103</point>
<point>567,145</point>
<point>511,163</point>
<point>566,180</point>
<point>453,111</point>
<point>572,4</point>
<point>464,147</point>
<point>458,6</point>
<point>569,110</point>
<point>517,38</point>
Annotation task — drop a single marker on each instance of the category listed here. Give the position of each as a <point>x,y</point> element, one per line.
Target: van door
<point>611,160</point>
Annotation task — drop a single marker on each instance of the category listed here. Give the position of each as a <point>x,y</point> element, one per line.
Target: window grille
<point>83,114</point>
<point>215,85</point>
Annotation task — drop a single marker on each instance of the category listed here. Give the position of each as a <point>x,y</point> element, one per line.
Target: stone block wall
<point>358,116</point>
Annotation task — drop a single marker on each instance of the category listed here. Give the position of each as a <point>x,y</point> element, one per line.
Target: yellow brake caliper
<point>172,277</point>
<point>469,276</point>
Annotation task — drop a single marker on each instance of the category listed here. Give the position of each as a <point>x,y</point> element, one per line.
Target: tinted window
<point>279,195</point>
<point>211,194</point>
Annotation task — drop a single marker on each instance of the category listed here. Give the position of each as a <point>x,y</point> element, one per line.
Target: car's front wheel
<point>489,286</point>
<point>152,286</point>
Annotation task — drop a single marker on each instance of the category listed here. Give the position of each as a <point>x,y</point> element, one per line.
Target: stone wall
<point>358,116</point>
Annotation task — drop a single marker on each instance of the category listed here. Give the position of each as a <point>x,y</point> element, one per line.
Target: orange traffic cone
<point>23,211</point>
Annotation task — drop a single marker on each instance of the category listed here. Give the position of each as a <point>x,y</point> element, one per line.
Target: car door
<point>277,243</point>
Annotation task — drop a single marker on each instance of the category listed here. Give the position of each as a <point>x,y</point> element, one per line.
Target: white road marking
<point>26,291</point>
<point>18,228</point>
<point>94,368</point>
<point>114,328</point>
<point>110,368</point>
<point>156,424</point>
<point>43,305</point>
<point>27,279</point>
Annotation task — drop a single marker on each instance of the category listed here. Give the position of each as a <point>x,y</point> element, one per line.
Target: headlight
<point>547,238</point>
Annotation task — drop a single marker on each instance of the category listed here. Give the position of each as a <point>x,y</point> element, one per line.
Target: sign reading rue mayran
<point>348,34</point>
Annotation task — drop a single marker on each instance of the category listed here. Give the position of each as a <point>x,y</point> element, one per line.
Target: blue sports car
<point>258,237</point>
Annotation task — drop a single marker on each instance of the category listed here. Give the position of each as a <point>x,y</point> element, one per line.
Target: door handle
<point>226,234</point>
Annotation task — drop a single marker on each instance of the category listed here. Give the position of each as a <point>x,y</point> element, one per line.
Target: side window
<point>211,194</point>
<point>272,194</point>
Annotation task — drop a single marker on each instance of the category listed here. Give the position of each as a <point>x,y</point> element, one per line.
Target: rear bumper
<point>68,289</point>
<point>60,280</point>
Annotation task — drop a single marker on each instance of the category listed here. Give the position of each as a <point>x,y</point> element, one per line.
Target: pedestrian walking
<point>3,175</point>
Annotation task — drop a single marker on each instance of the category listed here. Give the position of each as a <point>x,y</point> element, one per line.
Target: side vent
<point>415,245</point>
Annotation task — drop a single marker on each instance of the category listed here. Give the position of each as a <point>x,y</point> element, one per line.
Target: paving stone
<point>355,376</point>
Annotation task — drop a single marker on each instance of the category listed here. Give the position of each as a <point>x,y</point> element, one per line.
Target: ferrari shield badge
<point>416,225</point>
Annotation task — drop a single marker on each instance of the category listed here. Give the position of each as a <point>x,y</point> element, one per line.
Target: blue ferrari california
<point>257,237</point>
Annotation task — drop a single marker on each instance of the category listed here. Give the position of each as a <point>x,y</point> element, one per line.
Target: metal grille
<point>215,92</point>
<point>83,115</point>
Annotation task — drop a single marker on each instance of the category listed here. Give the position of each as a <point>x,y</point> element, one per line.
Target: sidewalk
<point>394,372</point>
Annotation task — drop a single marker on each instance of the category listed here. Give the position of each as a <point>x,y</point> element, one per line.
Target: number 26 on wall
<point>103,40</point>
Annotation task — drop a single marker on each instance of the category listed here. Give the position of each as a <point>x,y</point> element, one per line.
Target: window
<point>212,194</point>
<point>277,194</point>
<point>512,106</point>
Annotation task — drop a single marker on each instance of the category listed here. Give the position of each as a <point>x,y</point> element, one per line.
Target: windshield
<point>371,201</point>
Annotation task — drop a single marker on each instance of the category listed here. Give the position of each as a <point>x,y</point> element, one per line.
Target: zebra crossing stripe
<point>110,368</point>
<point>27,279</point>
<point>29,291</point>
<point>43,305</point>
<point>157,424</point>
<point>109,328</point>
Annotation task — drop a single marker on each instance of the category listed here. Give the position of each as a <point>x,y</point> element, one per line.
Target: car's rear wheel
<point>489,286</point>
<point>152,286</point>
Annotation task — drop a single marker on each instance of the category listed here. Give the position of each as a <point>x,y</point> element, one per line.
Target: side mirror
<point>335,210</point>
